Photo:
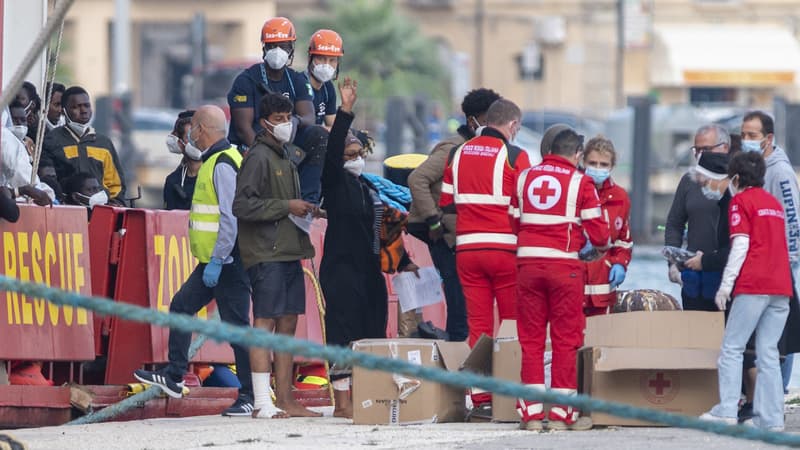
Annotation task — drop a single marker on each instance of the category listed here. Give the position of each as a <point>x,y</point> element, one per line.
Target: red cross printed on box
<point>659,387</point>
<point>659,383</point>
<point>544,192</point>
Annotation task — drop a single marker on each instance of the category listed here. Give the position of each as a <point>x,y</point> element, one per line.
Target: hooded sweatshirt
<point>781,181</point>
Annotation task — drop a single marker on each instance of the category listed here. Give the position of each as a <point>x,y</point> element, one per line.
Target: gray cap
<point>550,135</point>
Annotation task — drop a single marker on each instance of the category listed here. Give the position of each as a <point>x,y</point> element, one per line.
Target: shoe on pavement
<point>154,378</point>
<point>712,418</point>
<point>583,423</point>
<point>241,408</point>
<point>752,423</point>
<point>531,425</point>
<point>746,412</point>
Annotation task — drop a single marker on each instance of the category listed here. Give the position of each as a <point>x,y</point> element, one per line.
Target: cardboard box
<point>381,398</point>
<point>506,365</point>
<point>500,357</point>
<point>665,360</point>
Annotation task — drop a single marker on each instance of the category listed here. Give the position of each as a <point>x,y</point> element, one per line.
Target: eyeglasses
<point>707,148</point>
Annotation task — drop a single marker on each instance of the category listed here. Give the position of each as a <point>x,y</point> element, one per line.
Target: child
<point>759,265</point>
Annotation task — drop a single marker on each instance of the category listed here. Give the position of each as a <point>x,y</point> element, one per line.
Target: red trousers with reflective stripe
<point>550,291</point>
<point>486,276</point>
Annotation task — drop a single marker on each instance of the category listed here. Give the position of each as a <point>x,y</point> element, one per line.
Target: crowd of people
<point>736,211</point>
<point>74,164</point>
<point>546,245</point>
<point>500,232</point>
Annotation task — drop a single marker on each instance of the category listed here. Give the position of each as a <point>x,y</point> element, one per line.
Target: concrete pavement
<point>216,432</point>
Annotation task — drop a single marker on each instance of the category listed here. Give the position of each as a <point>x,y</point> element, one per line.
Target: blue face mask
<point>752,146</point>
<point>598,175</point>
<point>711,194</point>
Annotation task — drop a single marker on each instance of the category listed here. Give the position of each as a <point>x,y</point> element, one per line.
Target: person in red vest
<point>605,274</point>
<point>477,185</point>
<point>553,209</point>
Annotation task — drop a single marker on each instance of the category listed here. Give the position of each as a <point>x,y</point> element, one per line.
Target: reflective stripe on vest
<point>486,238</point>
<point>496,197</point>
<point>204,215</point>
<point>597,289</point>
<point>545,252</point>
<point>622,244</point>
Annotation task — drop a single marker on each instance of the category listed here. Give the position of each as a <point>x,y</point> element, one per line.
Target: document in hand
<point>414,292</point>
<point>304,222</point>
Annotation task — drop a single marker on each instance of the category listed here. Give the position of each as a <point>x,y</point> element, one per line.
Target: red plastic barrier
<point>308,326</point>
<point>104,244</point>
<point>155,259</point>
<point>51,246</point>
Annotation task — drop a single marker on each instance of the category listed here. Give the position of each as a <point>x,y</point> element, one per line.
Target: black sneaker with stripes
<point>241,408</point>
<point>161,379</point>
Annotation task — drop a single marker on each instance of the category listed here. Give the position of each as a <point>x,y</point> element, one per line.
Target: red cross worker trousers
<point>551,292</point>
<point>486,276</point>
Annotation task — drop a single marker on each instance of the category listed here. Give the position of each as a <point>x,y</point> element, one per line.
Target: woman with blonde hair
<point>604,275</point>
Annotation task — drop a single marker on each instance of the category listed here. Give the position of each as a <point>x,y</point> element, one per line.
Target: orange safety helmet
<point>278,29</point>
<point>326,43</point>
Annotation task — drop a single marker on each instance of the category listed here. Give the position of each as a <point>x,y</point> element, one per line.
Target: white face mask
<point>100,198</point>
<point>276,58</point>
<point>323,72</point>
<point>79,128</point>
<point>51,126</point>
<point>355,166</point>
<point>282,131</point>
<point>172,144</point>
<point>479,130</point>
<point>20,131</point>
<point>191,152</point>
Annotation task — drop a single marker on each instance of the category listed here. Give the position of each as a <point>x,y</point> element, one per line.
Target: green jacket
<point>266,182</point>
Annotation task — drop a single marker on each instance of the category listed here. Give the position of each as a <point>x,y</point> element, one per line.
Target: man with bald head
<point>220,274</point>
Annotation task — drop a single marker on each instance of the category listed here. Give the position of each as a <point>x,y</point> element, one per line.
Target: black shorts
<point>278,289</point>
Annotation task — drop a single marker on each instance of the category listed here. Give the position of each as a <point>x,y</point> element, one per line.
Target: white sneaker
<point>752,423</point>
<point>712,418</point>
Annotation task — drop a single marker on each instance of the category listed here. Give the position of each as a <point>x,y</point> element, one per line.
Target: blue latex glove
<point>616,276</point>
<point>211,272</point>
<point>588,252</point>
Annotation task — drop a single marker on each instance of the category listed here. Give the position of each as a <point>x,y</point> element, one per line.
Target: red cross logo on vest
<point>544,192</point>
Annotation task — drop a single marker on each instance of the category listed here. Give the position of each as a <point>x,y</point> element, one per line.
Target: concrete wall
<point>21,22</point>
<point>235,27</point>
<point>580,72</point>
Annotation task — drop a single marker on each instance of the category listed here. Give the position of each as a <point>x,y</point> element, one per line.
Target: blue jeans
<point>786,366</point>
<point>444,258</point>
<point>766,315</point>
<point>233,302</point>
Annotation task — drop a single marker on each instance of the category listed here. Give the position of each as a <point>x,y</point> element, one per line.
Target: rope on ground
<point>253,337</point>
<point>137,400</point>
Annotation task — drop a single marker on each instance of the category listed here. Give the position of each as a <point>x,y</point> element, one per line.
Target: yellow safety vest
<point>204,215</point>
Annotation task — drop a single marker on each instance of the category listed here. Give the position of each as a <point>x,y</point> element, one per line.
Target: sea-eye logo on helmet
<point>329,48</point>
<point>278,35</point>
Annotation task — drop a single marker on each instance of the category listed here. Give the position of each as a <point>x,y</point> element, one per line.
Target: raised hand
<point>348,94</point>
